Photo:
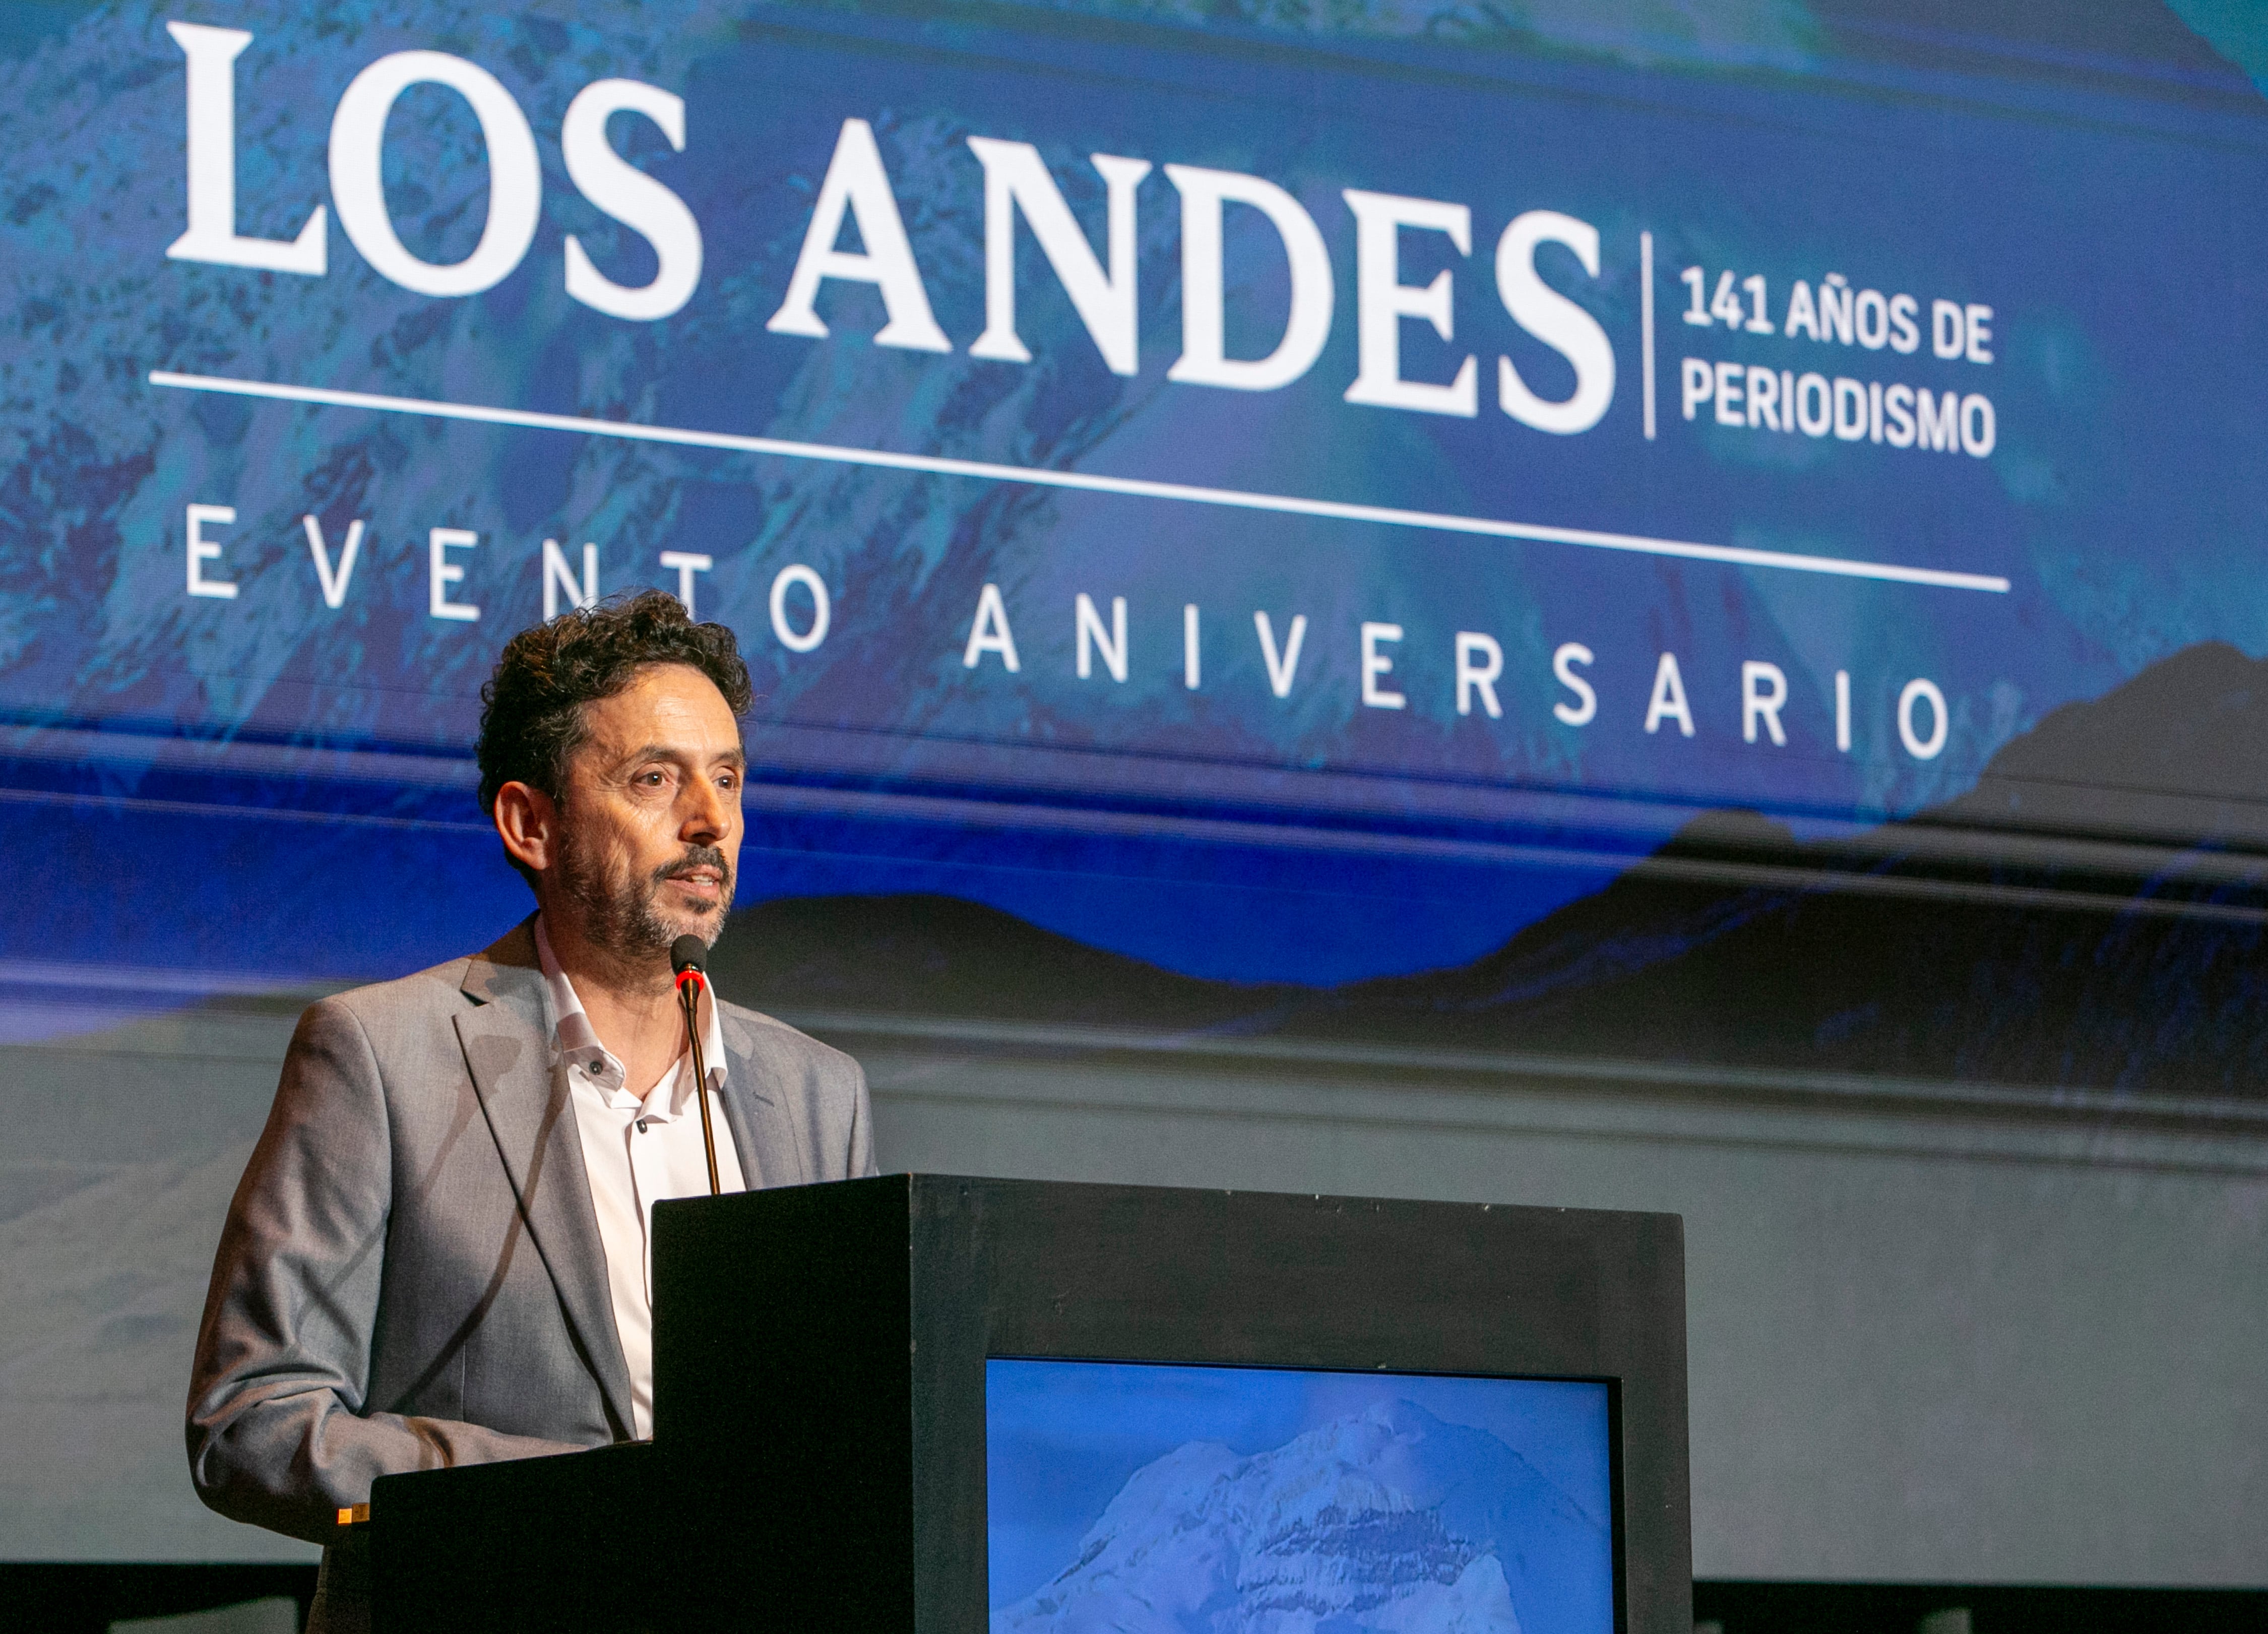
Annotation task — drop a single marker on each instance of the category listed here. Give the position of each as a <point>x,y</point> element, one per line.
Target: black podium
<point>821,1459</point>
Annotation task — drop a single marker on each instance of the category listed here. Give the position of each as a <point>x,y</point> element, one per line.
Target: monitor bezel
<point>1613,1449</point>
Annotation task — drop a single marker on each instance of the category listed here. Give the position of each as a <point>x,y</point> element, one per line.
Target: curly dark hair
<point>532,708</point>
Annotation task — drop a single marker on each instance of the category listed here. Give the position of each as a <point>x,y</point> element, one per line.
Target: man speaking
<point>438,1252</point>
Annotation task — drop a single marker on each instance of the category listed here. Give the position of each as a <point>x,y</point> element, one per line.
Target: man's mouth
<point>703,880</point>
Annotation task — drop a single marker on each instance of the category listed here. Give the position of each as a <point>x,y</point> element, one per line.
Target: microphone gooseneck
<point>687,957</point>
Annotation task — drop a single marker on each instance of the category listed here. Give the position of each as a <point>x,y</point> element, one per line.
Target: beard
<point>622,916</point>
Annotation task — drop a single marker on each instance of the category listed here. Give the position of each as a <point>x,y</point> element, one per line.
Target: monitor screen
<point>1236,1500</point>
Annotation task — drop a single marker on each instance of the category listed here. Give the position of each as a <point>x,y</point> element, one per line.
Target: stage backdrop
<point>1724,538</point>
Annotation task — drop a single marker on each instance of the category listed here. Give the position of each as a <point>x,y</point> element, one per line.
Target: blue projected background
<point>1207,1500</point>
<point>1723,420</point>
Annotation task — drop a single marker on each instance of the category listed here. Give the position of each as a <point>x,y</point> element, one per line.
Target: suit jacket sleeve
<point>861,1129</point>
<point>280,1433</point>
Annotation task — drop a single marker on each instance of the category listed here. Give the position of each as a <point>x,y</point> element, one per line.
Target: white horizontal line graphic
<point>1137,487</point>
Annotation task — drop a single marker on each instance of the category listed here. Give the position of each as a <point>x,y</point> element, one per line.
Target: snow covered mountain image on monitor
<point>1388,1522</point>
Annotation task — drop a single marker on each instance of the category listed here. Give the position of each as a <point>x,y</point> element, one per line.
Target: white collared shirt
<point>636,1150</point>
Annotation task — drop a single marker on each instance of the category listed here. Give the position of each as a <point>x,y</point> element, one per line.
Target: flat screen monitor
<point>1142,1499</point>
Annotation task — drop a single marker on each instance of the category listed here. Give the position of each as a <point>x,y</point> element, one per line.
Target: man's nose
<point>707,815</point>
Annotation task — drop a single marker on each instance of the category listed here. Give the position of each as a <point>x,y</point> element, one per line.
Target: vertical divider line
<point>1645,322</point>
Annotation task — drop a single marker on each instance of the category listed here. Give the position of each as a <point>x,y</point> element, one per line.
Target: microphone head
<point>688,953</point>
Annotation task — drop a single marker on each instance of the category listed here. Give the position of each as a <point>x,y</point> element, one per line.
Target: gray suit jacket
<point>411,1273</point>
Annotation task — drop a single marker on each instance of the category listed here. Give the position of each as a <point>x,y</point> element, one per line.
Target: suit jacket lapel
<point>533,1119</point>
<point>768,1152</point>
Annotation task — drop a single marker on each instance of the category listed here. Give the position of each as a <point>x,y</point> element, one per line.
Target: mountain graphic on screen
<point>1390,1521</point>
<point>2089,916</point>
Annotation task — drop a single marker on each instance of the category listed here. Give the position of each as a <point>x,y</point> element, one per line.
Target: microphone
<point>687,955</point>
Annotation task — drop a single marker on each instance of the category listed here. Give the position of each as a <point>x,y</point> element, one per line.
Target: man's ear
<point>527,820</point>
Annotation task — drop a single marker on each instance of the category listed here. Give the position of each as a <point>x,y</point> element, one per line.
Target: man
<point>437,1253</point>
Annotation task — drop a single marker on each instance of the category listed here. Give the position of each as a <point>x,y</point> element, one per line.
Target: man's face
<point>650,814</point>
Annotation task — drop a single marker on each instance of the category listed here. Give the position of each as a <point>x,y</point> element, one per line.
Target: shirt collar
<point>575,1043</point>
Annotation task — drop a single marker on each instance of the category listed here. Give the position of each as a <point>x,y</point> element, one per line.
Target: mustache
<point>699,857</point>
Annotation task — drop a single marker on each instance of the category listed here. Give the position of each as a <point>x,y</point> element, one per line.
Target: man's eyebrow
<point>734,756</point>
